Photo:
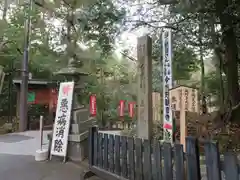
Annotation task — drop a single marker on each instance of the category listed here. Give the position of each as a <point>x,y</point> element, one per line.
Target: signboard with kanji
<point>31,97</point>
<point>62,119</point>
<point>184,98</point>
<point>93,105</point>
<point>167,84</point>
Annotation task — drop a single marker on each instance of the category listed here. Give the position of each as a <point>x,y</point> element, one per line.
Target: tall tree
<point>185,63</point>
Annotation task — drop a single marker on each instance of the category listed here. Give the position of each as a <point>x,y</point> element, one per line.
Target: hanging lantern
<point>121,108</point>
<point>131,109</point>
<point>93,105</point>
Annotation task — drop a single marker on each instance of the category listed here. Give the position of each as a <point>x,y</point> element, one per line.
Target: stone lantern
<point>80,121</point>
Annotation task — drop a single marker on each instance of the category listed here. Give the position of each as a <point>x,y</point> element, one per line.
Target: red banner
<point>121,108</point>
<point>131,109</point>
<point>93,105</point>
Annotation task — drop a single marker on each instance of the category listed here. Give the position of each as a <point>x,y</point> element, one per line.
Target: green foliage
<point>101,23</point>
<point>109,88</point>
<point>185,63</point>
<point>213,88</point>
<point>97,26</point>
<point>205,25</point>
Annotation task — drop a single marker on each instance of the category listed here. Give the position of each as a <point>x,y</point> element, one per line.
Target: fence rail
<point>119,157</point>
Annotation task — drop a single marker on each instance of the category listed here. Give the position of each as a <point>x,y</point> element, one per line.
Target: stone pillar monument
<point>144,96</point>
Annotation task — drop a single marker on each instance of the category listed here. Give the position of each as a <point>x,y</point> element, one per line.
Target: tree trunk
<point>217,51</point>
<point>203,97</point>
<point>5,8</point>
<point>231,53</point>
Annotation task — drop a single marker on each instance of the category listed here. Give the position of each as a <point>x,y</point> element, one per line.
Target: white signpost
<point>167,84</point>
<point>62,120</point>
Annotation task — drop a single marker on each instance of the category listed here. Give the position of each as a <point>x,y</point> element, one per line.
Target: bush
<point>157,131</point>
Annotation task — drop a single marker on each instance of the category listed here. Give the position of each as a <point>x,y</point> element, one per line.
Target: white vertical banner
<point>62,119</point>
<point>167,84</point>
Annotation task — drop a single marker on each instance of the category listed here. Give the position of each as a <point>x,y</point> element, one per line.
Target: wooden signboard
<point>184,99</point>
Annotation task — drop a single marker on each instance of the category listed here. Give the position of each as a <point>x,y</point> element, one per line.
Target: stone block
<point>82,115</point>
<point>8,126</point>
<point>78,151</point>
<point>74,129</point>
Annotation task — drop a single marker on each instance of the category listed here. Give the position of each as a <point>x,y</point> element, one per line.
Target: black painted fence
<point>120,157</point>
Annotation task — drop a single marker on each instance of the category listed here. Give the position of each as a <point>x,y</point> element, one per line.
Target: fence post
<point>167,155</point>
<point>41,131</point>
<point>212,161</point>
<point>105,151</point>
<point>179,162</point>
<point>91,139</point>
<point>111,153</point>
<point>193,162</point>
<point>123,156</point>
<point>147,159</point>
<point>131,155</point>
<point>139,159</point>
<point>230,166</point>
<point>157,167</point>
<point>117,165</point>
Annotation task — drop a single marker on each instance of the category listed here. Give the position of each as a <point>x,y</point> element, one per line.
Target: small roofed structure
<point>40,92</point>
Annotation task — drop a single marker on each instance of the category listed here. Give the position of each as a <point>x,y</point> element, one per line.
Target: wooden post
<point>50,107</point>
<point>41,131</point>
<point>190,104</point>
<point>185,99</point>
<point>183,128</point>
<point>192,159</point>
<point>144,55</point>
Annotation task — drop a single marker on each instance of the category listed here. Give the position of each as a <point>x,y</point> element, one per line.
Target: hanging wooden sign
<point>93,105</point>
<point>131,109</point>
<point>121,108</point>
